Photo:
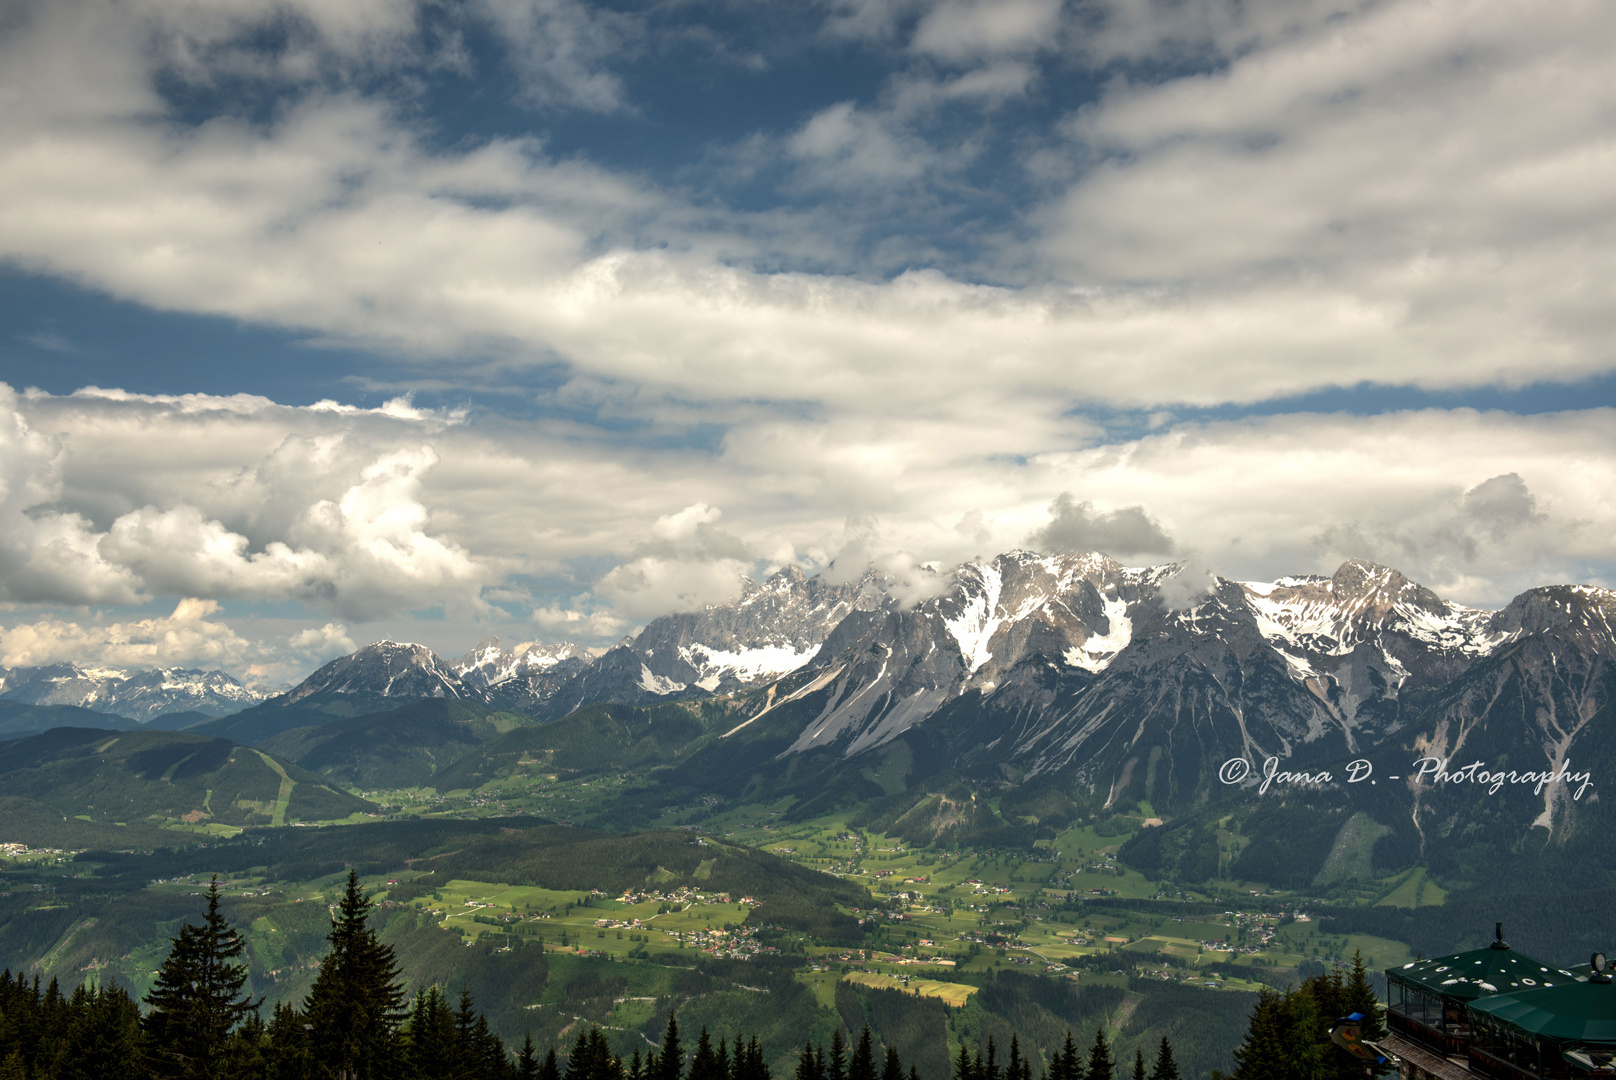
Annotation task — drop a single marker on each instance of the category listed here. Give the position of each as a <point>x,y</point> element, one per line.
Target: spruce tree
<point>862,1066</point>
<point>751,1065</point>
<point>578,1058</point>
<point>1067,1059</point>
<point>198,997</point>
<point>354,1008</point>
<point>807,1065</point>
<point>1138,1064</point>
<point>704,1062</point>
<point>892,1068</point>
<point>103,1038</point>
<point>1262,1054</point>
<point>527,1063</point>
<point>836,1060</point>
<point>289,1057</point>
<point>669,1062</point>
<point>1305,1036</point>
<point>433,1049</point>
<point>963,1069</point>
<point>1361,998</point>
<point>550,1070</point>
<point>1100,1064</point>
<point>1166,1068</point>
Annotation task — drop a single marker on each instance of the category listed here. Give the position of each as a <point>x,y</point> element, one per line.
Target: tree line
<point>358,1023</point>
<point>1288,1037</point>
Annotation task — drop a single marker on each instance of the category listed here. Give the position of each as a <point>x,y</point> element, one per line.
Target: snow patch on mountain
<point>743,664</point>
<point>1097,652</point>
<point>979,618</point>
<point>661,685</point>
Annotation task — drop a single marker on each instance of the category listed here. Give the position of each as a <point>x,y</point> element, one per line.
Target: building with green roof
<point>1555,1031</point>
<point>1427,999</point>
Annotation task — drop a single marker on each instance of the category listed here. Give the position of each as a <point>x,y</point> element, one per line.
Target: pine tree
<point>704,1062</point>
<point>636,1067</point>
<point>862,1066</point>
<point>669,1063</point>
<point>963,1069</point>
<point>1166,1068</point>
<point>433,1049</point>
<point>892,1068</point>
<point>1138,1064</point>
<point>354,1008</point>
<point>578,1058</point>
<point>1305,1035</point>
<point>1067,1065</point>
<point>990,1070</point>
<point>749,1064</point>
<point>198,997</point>
<point>550,1070</point>
<point>103,1039</point>
<point>465,1029</point>
<point>289,1057</point>
<point>723,1064</point>
<point>1100,1064</point>
<point>527,1063</point>
<point>836,1060</point>
<point>807,1064</point>
<point>1361,998</point>
<point>1261,1055</point>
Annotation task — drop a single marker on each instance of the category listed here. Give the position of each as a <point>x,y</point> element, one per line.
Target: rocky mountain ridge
<point>136,694</point>
<point>1133,683</point>
<point>1061,651</point>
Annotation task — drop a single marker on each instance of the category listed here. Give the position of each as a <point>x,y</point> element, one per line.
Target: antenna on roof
<point>1498,937</point>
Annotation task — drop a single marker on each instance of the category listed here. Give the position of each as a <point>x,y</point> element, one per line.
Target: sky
<point>327,321</point>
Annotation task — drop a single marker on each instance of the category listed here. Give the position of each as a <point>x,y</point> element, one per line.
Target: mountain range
<point>1065,673</point>
<point>142,694</point>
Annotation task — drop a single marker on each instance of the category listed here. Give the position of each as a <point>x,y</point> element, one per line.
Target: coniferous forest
<point>359,1022</point>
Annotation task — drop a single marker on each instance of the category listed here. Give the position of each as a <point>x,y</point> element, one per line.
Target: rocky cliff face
<point>386,669</point>
<point>524,678</point>
<point>1143,681</point>
<point>776,627</point>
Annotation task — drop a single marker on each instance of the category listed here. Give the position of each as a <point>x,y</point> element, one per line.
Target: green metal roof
<point>1479,973</point>
<point>1573,1012</point>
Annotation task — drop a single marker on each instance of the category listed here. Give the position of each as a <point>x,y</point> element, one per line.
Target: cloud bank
<point>957,308</point>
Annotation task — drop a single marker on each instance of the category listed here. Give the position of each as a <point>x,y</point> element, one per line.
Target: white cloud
<point>560,49</point>
<point>967,29</point>
<point>185,638</point>
<point>365,549</point>
<point>1414,194</point>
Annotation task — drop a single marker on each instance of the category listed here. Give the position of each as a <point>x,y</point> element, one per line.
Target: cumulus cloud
<point>686,563</point>
<point>186,637</point>
<point>366,550</point>
<point>1124,531</point>
<point>325,642</point>
<point>1502,503</point>
<point>1284,197</point>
